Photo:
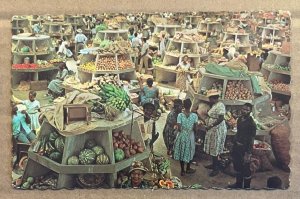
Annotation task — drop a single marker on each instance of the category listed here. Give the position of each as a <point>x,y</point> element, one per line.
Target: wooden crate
<point>39,85</point>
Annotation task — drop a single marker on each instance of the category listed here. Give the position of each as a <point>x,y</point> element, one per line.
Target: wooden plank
<point>44,161</point>
<point>66,181</point>
<point>34,70</point>
<point>34,169</point>
<point>281,92</point>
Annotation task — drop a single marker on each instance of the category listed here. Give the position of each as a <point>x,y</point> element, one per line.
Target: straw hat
<point>137,165</point>
<point>213,93</point>
<point>79,30</point>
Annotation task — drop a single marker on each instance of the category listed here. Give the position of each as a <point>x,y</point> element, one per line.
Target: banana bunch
<point>90,66</point>
<point>115,96</point>
<point>230,119</point>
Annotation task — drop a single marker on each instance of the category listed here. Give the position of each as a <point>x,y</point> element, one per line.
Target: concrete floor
<point>201,175</point>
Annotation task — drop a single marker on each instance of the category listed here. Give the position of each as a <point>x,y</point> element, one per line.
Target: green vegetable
<point>30,180</point>
<point>119,155</point>
<point>101,27</point>
<point>73,160</point>
<point>87,156</point>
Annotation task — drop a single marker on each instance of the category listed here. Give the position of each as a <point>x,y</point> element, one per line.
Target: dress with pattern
<point>215,137</point>
<point>184,148</point>
<point>169,133</point>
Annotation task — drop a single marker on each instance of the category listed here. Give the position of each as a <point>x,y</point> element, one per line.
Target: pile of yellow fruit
<point>90,66</point>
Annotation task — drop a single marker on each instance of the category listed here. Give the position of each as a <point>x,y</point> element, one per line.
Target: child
<point>33,109</point>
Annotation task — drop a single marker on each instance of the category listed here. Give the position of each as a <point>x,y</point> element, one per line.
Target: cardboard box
<point>39,85</point>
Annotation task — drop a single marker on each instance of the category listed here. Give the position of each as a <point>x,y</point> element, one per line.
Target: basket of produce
<point>261,148</point>
<point>90,180</point>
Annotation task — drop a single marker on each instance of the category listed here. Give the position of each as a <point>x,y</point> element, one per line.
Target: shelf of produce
<point>108,71</point>
<point>34,70</point>
<point>264,66</point>
<point>81,169</point>
<point>281,92</point>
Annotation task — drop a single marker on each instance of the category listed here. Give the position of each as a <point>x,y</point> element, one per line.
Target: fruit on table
<point>261,145</point>
<point>90,66</point>
<point>25,185</point>
<point>73,160</point>
<point>115,96</point>
<point>166,184</point>
<point>24,66</point>
<point>30,180</point>
<point>56,156</point>
<point>119,155</point>
<point>25,49</point>
<point>56,60</point>
<point>102,159</point>
<point>125,143</point>
<point>236,90</point>
<point>124,63</point>
<point>106,63</point>
<point>87,156</point>
<point>284,68</point>
<point>279,85</point>
<point>59,144</point>
<point>98,150</point>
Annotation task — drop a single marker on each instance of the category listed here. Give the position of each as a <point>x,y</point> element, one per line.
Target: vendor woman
<point>137,172</point>
<point>149,93</point>
<point>183,77</point>
<point>55,86</point>
<point>216,131</point>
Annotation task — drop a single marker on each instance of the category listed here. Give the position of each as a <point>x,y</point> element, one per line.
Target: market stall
<point>32,57</point>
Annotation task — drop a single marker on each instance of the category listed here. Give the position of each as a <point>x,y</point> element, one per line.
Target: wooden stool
<point>21,150</point>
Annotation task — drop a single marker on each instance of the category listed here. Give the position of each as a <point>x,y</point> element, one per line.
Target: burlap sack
<point>281,145</point>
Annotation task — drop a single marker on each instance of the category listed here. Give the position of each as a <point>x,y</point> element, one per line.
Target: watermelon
<point>52,137</point>
<point>89,144</point>
<point>98,150</point>
<point>25,185</point>
<point>25,49</point>
<point>73,160</point>
<point>30,180</point>
<point>119,155</point>
<point>59,144</point>
<point>87,156</point>
<point>56,156</point>
<point>102,159</point>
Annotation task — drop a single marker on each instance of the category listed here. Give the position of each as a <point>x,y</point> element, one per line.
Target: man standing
<point>242,148</point>
<point>144,55</point>
<point>80,41</point>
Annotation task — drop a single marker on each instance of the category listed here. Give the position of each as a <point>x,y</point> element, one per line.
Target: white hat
<point>79,30</point>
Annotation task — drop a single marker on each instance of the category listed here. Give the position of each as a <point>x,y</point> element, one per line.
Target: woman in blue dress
<point>55,86</point>
<point>149,93</point>
<point>184,149</point>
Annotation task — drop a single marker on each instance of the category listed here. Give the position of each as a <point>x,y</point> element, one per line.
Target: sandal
<point>190,170</point>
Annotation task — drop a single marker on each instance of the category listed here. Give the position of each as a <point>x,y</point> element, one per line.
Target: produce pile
<point>89,66</point>
<point>261,145</point>
<point>56,60</point>
<point>157,60</point>
<point>101,27</point>
<point>188,37</point>
<point>116,47</point>
<point>41,182</point>
<point>91,154</point>
<point>115,99</point>
<point>284,68</point>
<point>236,90</point>
<point>216,86</point>
<point>106,63</point>
<point>24,66</point>
<point>51,146</point>
<point>125,147</point>
<point>279,85</point>
<point>124,62</point>
<point>43,64</point>
<point>230,120</point>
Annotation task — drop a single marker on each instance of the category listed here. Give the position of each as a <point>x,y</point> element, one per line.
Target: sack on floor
<point>281,145</point>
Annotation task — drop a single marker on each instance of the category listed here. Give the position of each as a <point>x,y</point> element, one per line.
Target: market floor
<point>201,175</point>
